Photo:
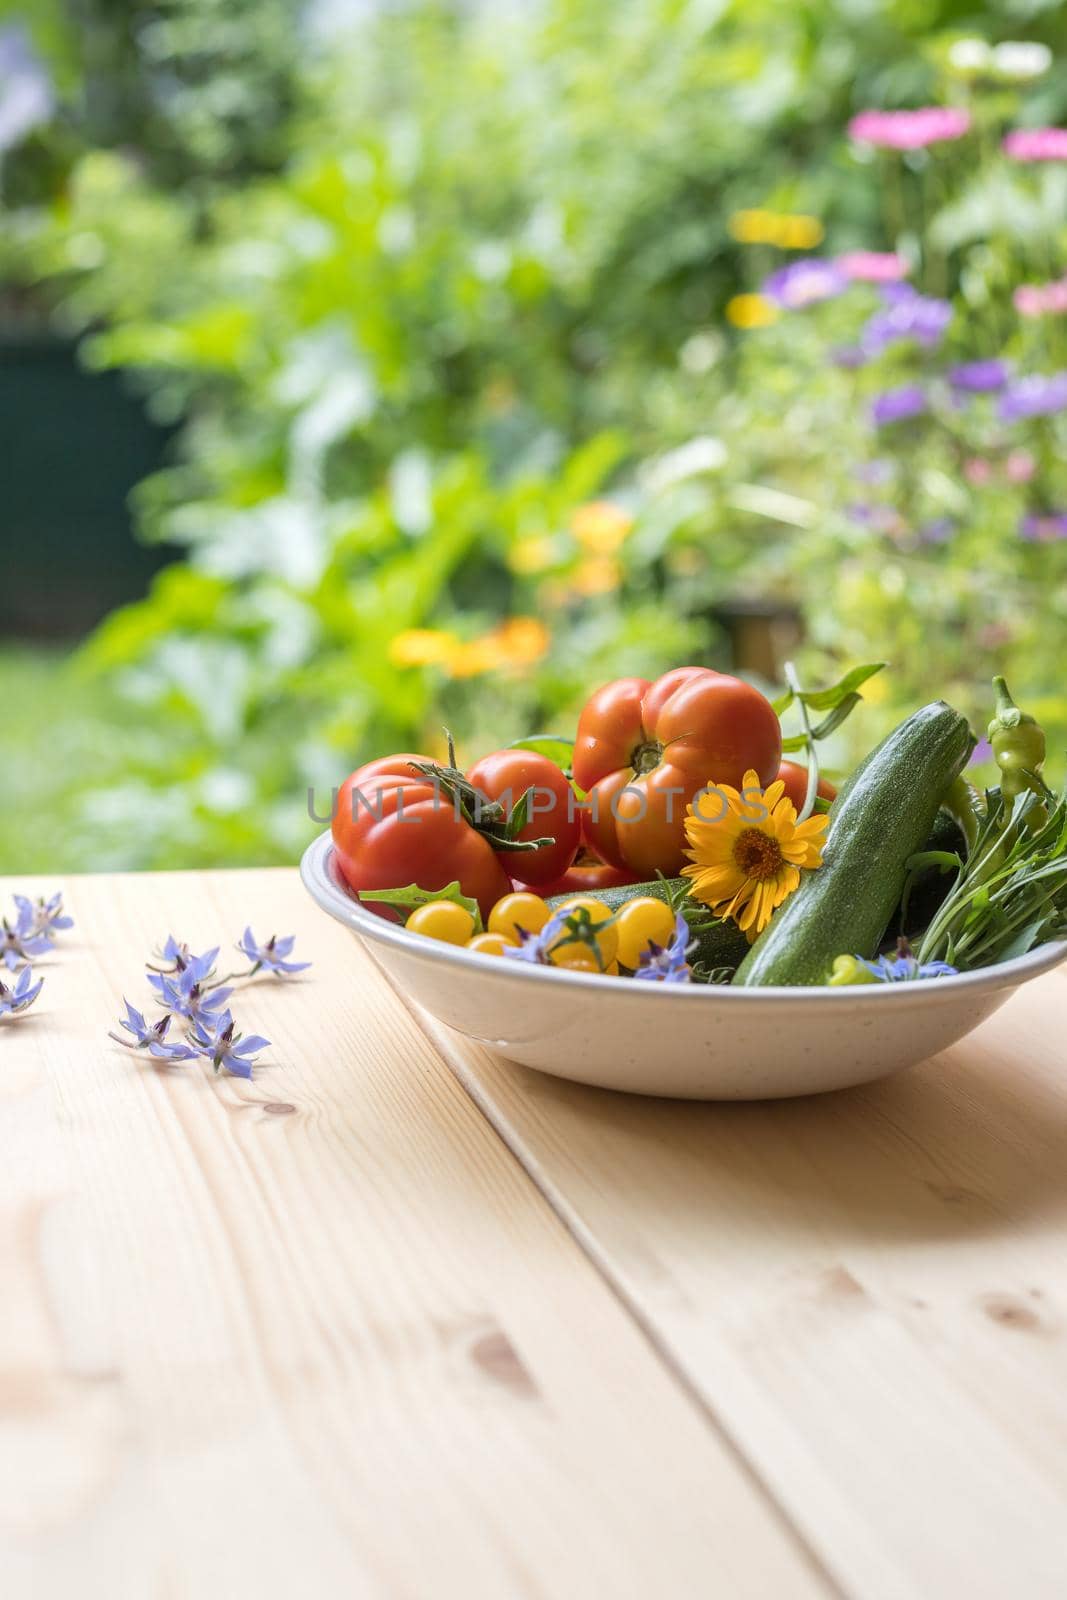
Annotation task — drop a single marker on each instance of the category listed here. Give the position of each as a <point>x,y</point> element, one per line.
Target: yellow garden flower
<point>532,554</point>
<point>596,575</point>
<point>748,858</point>
<point>751,311</point>
<point>422,647</point>
<point>788,231</point>
<point>799,232</point>
<point>601,526</point>
<point>517,642</point>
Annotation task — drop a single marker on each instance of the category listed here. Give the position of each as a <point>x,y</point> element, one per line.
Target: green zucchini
<point>883,814</point>
<point>718,944</point>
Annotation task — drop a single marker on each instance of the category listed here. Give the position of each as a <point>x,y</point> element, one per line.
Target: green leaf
<point>829,699</point>
<point>553,745</point>
<point>407,899</point>
<point>844,708</point>
<point>796,741</point>
<point>783,702</point>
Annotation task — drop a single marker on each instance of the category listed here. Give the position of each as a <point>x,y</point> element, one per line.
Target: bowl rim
<point>319,875</point>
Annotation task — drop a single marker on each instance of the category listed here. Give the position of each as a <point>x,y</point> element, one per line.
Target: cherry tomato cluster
<point>515,829</point>
<point>591,938</point>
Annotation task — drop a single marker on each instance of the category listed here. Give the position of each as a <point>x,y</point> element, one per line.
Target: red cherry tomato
<point>393,827</point>
<point>644,750</point>
<point>553,810</point>
<point>795,778</point>
<point>587,872</point>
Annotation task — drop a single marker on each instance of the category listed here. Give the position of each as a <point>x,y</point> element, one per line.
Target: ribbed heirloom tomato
<point>644,750</point>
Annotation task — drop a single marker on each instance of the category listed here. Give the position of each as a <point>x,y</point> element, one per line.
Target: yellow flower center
<point>758,854</point>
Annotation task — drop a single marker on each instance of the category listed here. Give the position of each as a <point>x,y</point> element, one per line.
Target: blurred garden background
<point>370,367</point>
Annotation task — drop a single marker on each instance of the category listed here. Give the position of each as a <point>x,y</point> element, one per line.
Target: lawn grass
<point>57,733</point>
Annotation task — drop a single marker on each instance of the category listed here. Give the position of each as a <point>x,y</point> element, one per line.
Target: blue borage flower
<point>904,968</point>
<point>272,954</point>
<point>668,963</point>
<point>187,991</point>
<point>220,1043</point>
<point>150,1036</point>
<point>535,946</point>
<point>21,995</point>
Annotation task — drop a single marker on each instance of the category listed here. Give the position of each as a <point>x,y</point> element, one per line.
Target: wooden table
<point>400,1319</point>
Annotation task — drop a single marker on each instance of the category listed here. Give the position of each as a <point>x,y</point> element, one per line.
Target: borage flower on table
<point>20,995</point>
<point>150,1036</point>
<point>221,1044</point>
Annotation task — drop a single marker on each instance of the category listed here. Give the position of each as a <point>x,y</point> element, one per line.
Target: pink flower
<point>1019,466</point>
<point>978,470</point>
<point>1038,299</point>
<point>873,266</point>
<point>910,130</point>
<point>1036,144</point>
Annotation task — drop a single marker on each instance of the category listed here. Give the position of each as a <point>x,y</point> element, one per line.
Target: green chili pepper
<point>1018,741</point>
<point>965,805</point>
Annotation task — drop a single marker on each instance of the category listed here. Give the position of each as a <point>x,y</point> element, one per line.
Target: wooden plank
<point>868,1290</point>
<point>318,1334</point>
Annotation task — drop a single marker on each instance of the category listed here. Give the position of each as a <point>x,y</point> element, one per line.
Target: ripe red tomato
<point>645,749</point>
<point>393,826</point>
<point>795,778</point>
<point>505,776</point>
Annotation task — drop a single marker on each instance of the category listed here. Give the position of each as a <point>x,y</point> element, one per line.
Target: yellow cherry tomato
<point>594,915</point>
<point>442,919</point>
<point>639,921</point>
<point>575,957</point>
<point>490,944</point>
<point>518,910</point>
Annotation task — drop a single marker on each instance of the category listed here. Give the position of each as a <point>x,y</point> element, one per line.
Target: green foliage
<point>485,289</point>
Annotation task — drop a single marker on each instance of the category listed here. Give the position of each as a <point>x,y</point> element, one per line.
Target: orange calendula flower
<point>517,642</point>
<point>748,851</point>
<point>601,526</point>
<point>751,311</point>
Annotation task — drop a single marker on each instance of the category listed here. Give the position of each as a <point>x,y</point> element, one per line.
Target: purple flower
<point>185,991</point>
<point>982,752</point>
<point>1044,527</point>
<point>895,405</point>
<point>535,946</point>
<point>937,531</point>
<point>21,995</point>
<point>849,357</point>
<point>219,1043</point>
<point>1039,395</point>
<point>905,315</point>
<point>979,377</point>
<point>180,956</point>
<point>1036,144</point>
<point>803,283</point>
<point>25,938</point>
<point>150,1036</point>
<point>26,98</point>
<point>904,968</point>
<point>271,955</point>
<point>668,963</point>
<point>910,130</point>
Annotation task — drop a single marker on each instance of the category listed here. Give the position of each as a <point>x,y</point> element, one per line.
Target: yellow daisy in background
<point>751,311</point>
<point>747,858</point>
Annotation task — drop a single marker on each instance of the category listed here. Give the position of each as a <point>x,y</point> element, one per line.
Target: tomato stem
<point>793,681</point>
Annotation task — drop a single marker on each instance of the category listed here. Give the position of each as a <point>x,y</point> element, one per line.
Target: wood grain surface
<point>867,1291</point>
<point>321,1334</point>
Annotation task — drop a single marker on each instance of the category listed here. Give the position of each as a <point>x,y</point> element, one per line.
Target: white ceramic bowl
<point>695,1041</point>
